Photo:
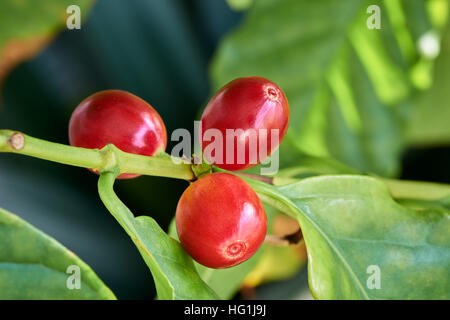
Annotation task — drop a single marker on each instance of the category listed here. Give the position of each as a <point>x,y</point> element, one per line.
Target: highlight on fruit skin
<point>220,220</point>
<point>245,106</point>
<point>120,118</point>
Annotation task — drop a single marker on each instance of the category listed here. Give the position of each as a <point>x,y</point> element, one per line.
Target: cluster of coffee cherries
<point>220,220</point>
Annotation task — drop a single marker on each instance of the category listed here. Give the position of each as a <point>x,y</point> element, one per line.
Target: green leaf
<point>34,265</point>
<point>347,85</point>
<point>172,269</point>
<point>27,26</point>
<point>25,19</point>
<point>350,223</point>
<point>429,124</point>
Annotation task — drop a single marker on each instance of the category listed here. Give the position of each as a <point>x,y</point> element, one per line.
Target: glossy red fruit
<point>220,220</point>
<point>246,103</point>
<point>120,118</point>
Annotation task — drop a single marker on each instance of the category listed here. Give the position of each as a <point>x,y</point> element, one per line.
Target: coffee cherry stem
<point>102,160</point>
<point>162,165</point>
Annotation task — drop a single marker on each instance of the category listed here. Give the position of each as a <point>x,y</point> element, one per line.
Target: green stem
<point>399,189</point>
<point>404,189</point>
<point>163,165</point>
<point>99,160</point>
<point>114,205</point>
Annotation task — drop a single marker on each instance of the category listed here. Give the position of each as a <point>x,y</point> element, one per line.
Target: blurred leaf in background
<point>430,121</point>
<point>279,262</point>
<point>239,4</point>
<point>26,27</point>
<point>349,86</point>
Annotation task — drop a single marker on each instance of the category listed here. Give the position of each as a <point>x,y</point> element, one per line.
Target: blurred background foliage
<point>351,89</point>
<point>370,101</point>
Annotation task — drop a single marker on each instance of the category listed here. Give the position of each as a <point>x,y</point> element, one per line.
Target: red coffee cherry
<point>245,103</point>
<point>120,118</point>
<point>220,220</point>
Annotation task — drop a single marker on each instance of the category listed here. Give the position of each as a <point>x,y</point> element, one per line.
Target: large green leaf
<point>172,269</point>
<point>351,223</point>
<point>346,84</point>
<point>34,265</point>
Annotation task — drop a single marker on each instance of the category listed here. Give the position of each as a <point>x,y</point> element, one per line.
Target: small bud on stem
<point>17,141</point>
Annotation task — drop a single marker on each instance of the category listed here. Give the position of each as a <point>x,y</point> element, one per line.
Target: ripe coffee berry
<point>120,118</point>
<point>220,220</point>
<point>245,107</point>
